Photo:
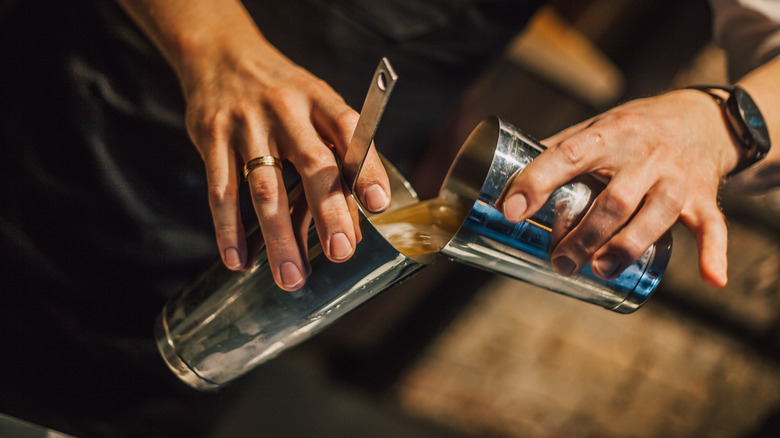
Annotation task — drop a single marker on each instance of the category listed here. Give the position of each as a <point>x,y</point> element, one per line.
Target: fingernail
<point>291,275</point>
<point>606,265</point>
<point>564,265</point>
<point>375,198</point>
<point>232,259</point>
<point>515,206</point>
<point>340,247</point>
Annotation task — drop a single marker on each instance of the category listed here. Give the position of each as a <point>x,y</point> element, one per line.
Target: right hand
<point>664,157</point>
<point>249,101</point>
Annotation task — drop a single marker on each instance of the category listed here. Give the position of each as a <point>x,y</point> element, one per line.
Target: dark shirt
<point>103,200</point>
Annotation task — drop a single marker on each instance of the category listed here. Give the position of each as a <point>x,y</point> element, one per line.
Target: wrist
<point>745,123</point>
<point>710,128</point>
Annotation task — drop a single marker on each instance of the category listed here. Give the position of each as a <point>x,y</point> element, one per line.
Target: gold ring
<point>265,160</point>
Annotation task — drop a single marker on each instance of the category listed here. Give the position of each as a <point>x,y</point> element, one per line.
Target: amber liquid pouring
<point>420,228</point>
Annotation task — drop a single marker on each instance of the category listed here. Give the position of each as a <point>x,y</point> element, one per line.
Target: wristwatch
<point>744,121</point>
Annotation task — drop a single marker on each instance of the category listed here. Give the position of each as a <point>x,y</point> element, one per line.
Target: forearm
<point>195,36</point>
<point>749,32</point>
<point>761,83</point>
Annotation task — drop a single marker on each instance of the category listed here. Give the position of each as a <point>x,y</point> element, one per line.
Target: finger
<point>566,133</point>
<point>269,198</point>
<point>612,208</point>
<point>223,179</point>
<point>551,169</point>
<point>270,202</point>
<point>373,186</point>
<point>659,212</point>
<point>300,215</point>
<point>706,222</point>
<point>354,212</point>
<point>337,122</point>
<point>324,192</point>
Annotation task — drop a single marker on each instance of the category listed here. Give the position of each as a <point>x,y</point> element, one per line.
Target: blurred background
<point>457,352</point>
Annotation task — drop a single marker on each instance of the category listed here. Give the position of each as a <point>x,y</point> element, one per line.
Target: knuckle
<point>372,173</point>
<point>264,190</point>
<point>245,114</point>
<point>315,159</point>
<point>207,126</point>
<point>618,202</point>
<point>626,118</point>
<point>704,214</point>
<point>627,121</point>
<point>280,245</point>
<point>572,151</point>
<point>332,214</point>
<point>226,232</point>
<point>672,199</point>
<point>630,245</point>
<point>219,195</point>
<point>345,122</point>
<point>533,183</point>
<point>281,99</point>
<point>586,246</point>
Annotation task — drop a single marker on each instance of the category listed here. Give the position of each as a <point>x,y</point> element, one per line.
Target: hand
<point>255,102</point>
<point>246,100</point>
<point>665,158</point>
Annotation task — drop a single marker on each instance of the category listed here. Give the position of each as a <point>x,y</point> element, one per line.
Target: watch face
<point>754,121</point>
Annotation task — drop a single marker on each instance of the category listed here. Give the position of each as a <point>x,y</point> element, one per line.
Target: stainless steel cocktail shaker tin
<point>225,323</point>
<point>492,154</point>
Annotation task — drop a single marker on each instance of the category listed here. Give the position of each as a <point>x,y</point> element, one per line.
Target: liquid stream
<point>421,228</point>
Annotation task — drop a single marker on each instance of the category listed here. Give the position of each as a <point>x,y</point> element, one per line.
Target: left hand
<point>665,158</point>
